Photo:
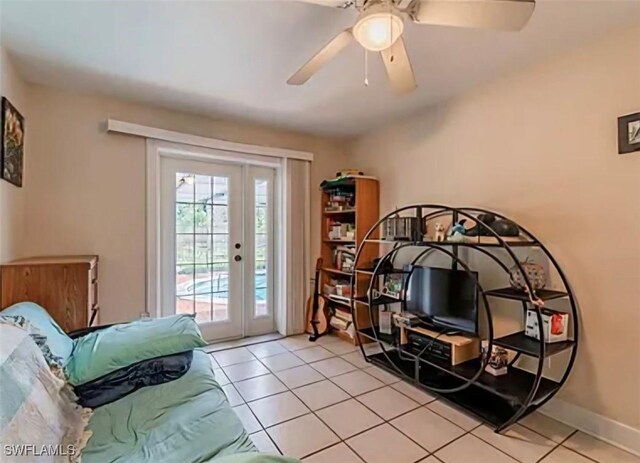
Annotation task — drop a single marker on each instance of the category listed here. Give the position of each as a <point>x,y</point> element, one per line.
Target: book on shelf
<point>339,230</point>
<point>344,258</point>
<point>340,199</point>
<point>340,299</point>
<point>342,320</point>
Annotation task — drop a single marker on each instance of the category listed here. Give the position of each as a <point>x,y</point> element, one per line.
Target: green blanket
<point>187,420</point>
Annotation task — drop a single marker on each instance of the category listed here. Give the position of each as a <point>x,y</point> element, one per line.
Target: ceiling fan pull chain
<point>366,68</point>
<point>390,30</point>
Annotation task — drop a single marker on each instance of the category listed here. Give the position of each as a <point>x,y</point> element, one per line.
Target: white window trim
<point>130,128</point>
<point>285,320</point>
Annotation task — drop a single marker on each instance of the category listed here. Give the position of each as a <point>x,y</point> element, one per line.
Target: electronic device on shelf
<point>430,346</point>
<point>407,320</point>
<point>401,229</point>
<point>453,349</point>
<point>444,298</point>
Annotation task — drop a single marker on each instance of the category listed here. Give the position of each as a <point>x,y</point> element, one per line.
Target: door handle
<point>237,258</point>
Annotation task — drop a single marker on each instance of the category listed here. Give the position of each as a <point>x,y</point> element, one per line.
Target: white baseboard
<point>606,429</point>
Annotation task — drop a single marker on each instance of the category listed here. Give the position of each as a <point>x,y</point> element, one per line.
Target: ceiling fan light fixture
<point>378,28</point>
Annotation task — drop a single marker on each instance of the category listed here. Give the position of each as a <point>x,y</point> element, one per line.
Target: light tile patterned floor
<point>322,403</point>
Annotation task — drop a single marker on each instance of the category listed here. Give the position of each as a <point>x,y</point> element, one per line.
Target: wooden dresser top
<point>54,260</point>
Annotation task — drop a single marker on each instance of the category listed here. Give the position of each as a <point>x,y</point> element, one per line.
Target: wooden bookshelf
<point>362,212</point>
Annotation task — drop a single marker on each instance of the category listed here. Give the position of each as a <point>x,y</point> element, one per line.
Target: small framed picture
<point>629,133</point>
<point>12,144</point>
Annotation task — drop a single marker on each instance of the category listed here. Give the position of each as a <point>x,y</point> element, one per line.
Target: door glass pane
<point>202,242</point>
<point>203,249</point>
<point>184,249</point>
<point>202,293</point>
<point>202,218</point>
<point>220,190</point>
<point>184,187</point>
<point>203,189</point>
<point>220,250</point>
<point>184,289</point>
<point>220,219</point>
<point>184,218</point>
<point>220,290</point>
<point>261,248</point>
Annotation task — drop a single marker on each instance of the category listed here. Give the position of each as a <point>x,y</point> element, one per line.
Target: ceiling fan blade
<point>330,3</point>
<point>507,15</point>
<point>398,66</point>
<point>321,58</point>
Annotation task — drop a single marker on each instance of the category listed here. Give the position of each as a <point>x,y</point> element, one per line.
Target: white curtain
<point>296,224</point>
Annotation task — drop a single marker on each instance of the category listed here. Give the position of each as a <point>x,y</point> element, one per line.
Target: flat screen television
<point>445,298</point>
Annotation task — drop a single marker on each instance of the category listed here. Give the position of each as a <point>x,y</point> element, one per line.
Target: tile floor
<point>322,403</point>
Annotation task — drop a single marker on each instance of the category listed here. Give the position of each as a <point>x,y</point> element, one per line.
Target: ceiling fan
<point>381,22</point>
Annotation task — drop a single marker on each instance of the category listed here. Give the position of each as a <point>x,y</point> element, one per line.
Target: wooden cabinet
<point>67,286</point>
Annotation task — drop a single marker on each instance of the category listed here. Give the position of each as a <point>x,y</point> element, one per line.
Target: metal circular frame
<point>468,381</point>
<point>527,405</point>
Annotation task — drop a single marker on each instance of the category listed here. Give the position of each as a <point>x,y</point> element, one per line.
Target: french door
<point>217,245</point>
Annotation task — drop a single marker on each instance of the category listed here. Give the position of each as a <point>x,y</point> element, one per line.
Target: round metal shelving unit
<point>499,400</point>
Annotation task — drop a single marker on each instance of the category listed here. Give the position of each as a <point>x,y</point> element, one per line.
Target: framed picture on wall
<point>629,133</point>
<point>12,149</point>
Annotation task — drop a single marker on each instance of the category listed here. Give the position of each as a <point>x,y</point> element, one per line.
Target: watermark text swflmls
<point>39,450</point>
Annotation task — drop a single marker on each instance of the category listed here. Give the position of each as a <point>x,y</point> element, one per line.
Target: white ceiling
<point>232,58</point>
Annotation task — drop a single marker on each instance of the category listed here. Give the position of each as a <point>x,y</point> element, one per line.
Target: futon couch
<point>182,420</point>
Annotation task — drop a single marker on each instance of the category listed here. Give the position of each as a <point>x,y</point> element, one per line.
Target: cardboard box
<point>555,325</point>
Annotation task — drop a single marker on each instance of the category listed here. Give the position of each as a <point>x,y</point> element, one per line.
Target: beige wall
<point>540,146</point>
<point>87,188</point>
<point>12,198</point>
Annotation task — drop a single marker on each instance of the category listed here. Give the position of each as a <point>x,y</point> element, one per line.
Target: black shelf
<point>517,295</point>
<point>369,271</point>
<point>486,244</point>
<point>514,387</point>
<point>372,332</point>
<point>498,400</point>
<point>480,402</point>
<point>380,300</point>
<point>524,344</point>
<point>406,367</point>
